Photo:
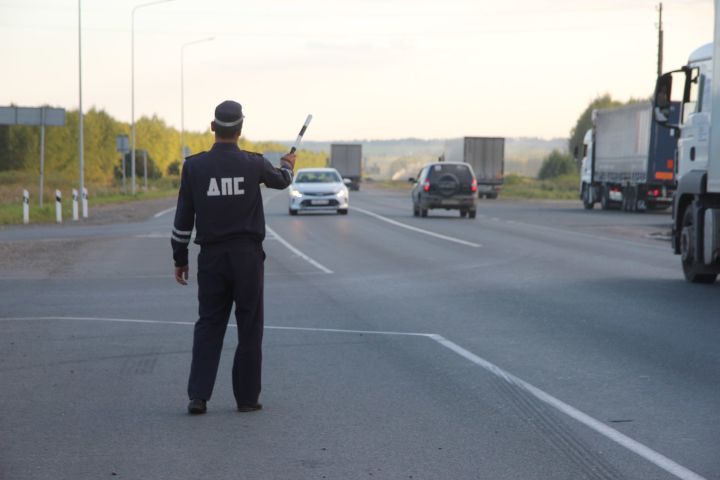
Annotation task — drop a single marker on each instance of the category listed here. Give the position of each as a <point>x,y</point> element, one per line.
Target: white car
<point>321,189</point>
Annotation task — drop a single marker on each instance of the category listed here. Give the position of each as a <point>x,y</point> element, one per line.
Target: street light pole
<point>182,92</point>
<point>132,85</point>
<point>81,128</point>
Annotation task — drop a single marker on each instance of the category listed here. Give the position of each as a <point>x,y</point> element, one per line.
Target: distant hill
<point>398,157</point>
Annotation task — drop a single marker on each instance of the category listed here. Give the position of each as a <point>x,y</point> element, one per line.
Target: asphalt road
<point>537,341</point>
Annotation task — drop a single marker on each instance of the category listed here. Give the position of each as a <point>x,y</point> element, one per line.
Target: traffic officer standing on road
<point>220,196</point>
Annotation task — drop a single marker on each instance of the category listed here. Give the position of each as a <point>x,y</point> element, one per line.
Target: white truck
<point>346,158</point>
<point>628,160</point>
<point>486,156</point>
<point>696,205</point>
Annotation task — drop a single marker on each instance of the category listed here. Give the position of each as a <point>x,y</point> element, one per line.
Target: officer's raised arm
<point>279,178</point>
<point>183,226</point>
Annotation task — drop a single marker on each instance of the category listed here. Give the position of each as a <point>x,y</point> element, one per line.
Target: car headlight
<point>341,192</point>
<point>295,193</point>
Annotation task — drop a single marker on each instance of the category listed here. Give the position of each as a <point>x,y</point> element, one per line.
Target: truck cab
<point>696,209</point>
<point>586,171</point>
<point>694,141</point>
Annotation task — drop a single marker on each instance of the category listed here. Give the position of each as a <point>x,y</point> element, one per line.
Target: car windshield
<point>317,177</point>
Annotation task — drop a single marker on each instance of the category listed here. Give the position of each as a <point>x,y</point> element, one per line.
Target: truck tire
<point>694,271</point>
<point>604,198</point>
<point>423,212</point>
<point>587,204</point>
<point>463,213</point>
<point>472,213</point>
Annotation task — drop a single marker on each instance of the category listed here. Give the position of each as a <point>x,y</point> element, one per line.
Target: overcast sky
<point>366,69</point>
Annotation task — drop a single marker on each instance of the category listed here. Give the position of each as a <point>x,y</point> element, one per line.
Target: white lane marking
<point>621,439</point>
<point>163,212</point>
<point>297,252</point>
<point>98,319</point>
<point>336,330</point>
<point>287,245</point>
<point>415,229</point>
<point>160,322</point>
<point>154,235</point>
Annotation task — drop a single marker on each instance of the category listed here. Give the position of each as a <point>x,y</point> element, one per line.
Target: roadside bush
<point>557,164</point>
<point>174,168</point>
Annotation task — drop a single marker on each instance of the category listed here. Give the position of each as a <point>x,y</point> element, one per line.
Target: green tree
<point>556,164</point>
<point>584,122</point>
<point>153,170</point>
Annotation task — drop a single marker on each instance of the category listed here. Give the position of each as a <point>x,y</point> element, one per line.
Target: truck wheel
<point>463,213</point>
<point>634,199</point>
<point>586,197</point>
<point>472,213</point>
<point>604,198</point>
<point>693,270</point>
<point>423,212</point>
<point>492,196</point>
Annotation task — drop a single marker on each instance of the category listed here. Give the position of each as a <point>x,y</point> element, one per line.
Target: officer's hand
<point>181,274</point>
<point>290,159</point>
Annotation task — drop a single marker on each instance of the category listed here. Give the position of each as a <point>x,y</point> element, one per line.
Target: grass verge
<point>11,212</point>
<point>514,187</point>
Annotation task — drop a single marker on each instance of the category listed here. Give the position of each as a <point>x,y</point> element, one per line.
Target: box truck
<point>628,160</point>
<point>486,156</point>
<point>696,205</point>
<point>347,159</point>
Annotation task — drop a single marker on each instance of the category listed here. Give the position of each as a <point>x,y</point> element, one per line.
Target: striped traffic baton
<point>300,135</point>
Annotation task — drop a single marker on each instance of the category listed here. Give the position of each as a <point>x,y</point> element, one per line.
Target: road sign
<point>32,116</point>
<point>122,144</point>
<point>40,116</point>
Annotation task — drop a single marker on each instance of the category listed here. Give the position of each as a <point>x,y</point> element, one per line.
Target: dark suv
<point>447,185</point>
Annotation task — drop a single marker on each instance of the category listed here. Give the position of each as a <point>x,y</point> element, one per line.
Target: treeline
<point>20,147</point>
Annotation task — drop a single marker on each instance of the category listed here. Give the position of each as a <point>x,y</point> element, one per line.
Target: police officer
<point>220,196</point>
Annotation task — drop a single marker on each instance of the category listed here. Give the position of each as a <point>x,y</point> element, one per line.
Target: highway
<point>537,341</point>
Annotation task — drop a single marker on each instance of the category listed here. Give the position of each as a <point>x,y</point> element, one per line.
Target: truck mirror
<point>411,180</point>
<point>663,91</point>
<point>576,150</point>
<point>661,101</point>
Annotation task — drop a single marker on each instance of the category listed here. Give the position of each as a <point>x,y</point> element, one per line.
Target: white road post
<point>84,202</point>
<point>58,206</point>
<point>26,207</point>
<point>76,216</point>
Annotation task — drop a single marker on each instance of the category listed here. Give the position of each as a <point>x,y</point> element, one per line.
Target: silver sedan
<point>318,189</point>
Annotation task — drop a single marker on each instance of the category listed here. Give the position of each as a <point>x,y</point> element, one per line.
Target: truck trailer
<point>628,160</point>
<point>696,205</point>
<point>486,156</point>
<point>346,158</point>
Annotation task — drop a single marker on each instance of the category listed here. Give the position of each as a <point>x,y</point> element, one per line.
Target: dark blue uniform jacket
<point>220,197</point>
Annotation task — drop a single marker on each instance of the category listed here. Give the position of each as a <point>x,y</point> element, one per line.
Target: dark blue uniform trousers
<point>229,272</point>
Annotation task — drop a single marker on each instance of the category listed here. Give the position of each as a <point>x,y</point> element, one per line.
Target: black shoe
<point>249,407</point>
<point>197,406</point>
